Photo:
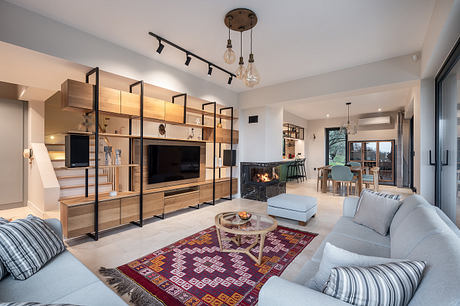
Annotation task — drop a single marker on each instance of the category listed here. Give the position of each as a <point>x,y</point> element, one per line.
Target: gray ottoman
<point>292,206</point>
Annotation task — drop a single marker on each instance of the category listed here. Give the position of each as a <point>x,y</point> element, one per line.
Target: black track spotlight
<point>187,61</point>
<point>230,79</point>
<point>209,70</point>
<point>160,46</point>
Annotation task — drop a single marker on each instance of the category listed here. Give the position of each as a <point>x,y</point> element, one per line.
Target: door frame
<point>449,63</point>
<point>326,144</point>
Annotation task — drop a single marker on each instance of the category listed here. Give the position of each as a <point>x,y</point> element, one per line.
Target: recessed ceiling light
<point>379,109</point>
<point>327,115</point>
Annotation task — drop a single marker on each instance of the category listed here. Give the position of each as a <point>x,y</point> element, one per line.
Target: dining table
<point>357,171</point>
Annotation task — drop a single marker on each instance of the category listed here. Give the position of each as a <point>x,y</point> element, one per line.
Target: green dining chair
<point>355,164</point>
<point>342,174</point>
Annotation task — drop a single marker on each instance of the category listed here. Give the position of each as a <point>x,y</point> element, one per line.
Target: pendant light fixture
<point>229,55</point>
<point>252,77</point>
<point>240,72</point>
<point>349,128</point>
<point>242,20</point>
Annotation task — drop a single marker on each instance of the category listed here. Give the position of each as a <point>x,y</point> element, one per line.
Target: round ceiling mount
<point>240,19</point>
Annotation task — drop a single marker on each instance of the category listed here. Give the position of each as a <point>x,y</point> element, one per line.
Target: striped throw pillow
<point>380,285</point>
<point>3,270</point>
<point>379,194</point>
<point>26,245</point>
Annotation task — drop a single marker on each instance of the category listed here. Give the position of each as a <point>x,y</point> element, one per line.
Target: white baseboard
<point>35,210</point>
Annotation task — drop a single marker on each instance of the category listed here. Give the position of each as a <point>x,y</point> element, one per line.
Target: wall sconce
<point>29,154</point>
<point>314,136</point>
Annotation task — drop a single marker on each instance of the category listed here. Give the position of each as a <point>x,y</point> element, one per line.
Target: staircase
<point>72,180</point>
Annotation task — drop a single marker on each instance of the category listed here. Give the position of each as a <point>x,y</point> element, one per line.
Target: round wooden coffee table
<point>258,225</point>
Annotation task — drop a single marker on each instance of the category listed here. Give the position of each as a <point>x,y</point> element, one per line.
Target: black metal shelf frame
<point>95,72</point>
<point>139,223</point>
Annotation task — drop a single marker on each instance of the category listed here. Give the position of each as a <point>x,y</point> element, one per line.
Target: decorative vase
<point>108,155</point>
<point>118,157</point>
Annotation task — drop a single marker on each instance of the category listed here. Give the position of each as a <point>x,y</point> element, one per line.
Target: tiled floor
<point>119,246</point>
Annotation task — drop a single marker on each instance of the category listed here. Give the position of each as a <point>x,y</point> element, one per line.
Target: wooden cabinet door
<point>154,108</point>
<point>109,100</point>
<point>174,112</point>
<point>130,104</point>
<point>77,95</point>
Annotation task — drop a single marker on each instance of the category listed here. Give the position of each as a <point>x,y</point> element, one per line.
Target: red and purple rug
<point>193,271</point>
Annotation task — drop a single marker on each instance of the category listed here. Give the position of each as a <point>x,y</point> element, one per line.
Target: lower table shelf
<point>77,214</point>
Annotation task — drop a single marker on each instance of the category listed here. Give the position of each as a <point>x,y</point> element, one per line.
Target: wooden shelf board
<point>167,188</point>
<point>149,137</point>
<point>210,114</point>
<point>81,200</point>
<point>100,167</point>
<point>76,201</point>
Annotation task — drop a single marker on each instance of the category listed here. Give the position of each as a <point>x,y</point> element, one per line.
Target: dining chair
<point>372,179</point>
<point>355,164</point>
<point>342,174</point>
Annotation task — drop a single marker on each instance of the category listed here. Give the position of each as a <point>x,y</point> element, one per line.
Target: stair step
<point>80,191</point>
<point>83,186</point>
<point>67,177</point>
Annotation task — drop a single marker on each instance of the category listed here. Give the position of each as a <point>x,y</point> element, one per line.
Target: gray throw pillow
<point>337,257</point>
<point>390,284</point>
<point>376,211</point>
<point>26,245</point>
<point>3,270</point>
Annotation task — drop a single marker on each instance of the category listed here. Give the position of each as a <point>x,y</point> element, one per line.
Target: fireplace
<point>260,181</point>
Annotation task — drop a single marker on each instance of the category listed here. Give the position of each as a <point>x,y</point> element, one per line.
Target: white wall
<point>300,145</point>
<point>316,148</point>
<point>262,141</point>
<point>390,71</point>
<point>424,174</point>
<point>24,28</point>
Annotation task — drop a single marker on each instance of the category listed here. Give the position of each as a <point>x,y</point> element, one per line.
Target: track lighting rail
<point>191,54</point>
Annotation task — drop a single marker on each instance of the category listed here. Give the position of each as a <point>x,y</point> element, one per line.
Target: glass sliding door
<point>386,161</point>
<point>336,146</point>
<point>448,137</point>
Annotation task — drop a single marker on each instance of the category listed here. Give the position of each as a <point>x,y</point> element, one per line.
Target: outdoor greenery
<point>337,147</point>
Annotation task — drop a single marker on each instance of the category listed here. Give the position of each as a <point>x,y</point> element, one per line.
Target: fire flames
<point>265,177</point>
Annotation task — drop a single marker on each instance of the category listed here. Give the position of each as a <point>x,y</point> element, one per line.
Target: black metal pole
<point>130,157</point>
<point>96,152</point>
<point>185,104</point>
<point>141,153</point>
<point>86,182</point>
<point>231,149</point>
<point>214,150</point>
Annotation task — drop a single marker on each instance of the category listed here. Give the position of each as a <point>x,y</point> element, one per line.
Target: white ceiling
<point>293,39</point>
<point>388,99</point>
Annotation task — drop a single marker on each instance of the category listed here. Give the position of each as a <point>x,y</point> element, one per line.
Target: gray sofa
<point>63,280</point>
<point>419,231</point>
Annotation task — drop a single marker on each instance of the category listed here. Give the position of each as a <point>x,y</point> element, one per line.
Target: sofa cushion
<point>26,245</point>
<point>337,257</point>
<point>59,277</point>
<point>94,294</point>
<point>447,221</point>
<point>391,284</point>
<point>293,202</point>
<point>345,226</point>
<point>307,272</point>
<point>419,224</point>
<point>376,211</point>
<point>352,245</point>
<point>440,285</point>
<point>408,204</point>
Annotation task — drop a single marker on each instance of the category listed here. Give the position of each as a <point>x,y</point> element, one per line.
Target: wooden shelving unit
<point>121,209</point>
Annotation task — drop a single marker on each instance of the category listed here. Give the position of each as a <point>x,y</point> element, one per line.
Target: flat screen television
<point>172,163</point>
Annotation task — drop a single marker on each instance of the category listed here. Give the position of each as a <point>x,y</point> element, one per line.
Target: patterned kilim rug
<point>193,271</point>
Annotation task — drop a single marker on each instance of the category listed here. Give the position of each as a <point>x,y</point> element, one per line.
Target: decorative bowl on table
<point>244,215</point>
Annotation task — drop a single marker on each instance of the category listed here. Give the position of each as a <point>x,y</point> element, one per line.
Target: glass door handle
<point>431,163</point>
<point>447,159</point>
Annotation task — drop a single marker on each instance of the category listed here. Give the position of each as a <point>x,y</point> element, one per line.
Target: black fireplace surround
<point>261,180</point>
